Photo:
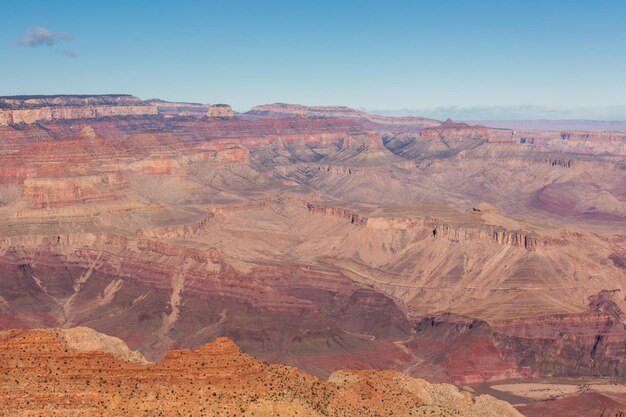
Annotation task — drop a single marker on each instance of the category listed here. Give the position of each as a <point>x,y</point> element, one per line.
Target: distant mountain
<point>516,112</point>
<point>554,125</point>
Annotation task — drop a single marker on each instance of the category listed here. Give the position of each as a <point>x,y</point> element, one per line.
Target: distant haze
<point>509,113</point>
<point>558,125</point>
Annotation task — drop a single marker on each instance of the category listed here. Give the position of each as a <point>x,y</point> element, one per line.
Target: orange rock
<point>58,373</point>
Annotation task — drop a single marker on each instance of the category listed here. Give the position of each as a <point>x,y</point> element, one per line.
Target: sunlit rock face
<point>79,372</point>
<point>220,110</point>
<point>32,109</point>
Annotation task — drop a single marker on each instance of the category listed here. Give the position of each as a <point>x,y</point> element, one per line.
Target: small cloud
<point>38,36</point>
<point>65,36</point>
<point>68,54</point>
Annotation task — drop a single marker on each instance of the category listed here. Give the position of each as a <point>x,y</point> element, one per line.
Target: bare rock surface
<point>44,373</point>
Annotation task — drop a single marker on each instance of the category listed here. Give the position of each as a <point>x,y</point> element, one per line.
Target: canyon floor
<point>559,396</point>
<point>322,238</point>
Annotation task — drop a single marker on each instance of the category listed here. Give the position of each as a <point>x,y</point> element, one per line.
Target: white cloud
<point>39,36</point>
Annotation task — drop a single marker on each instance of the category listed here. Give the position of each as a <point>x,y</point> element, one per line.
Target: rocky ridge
<point>45,374</point>
<point>32,109</point>
<point>295,110</point>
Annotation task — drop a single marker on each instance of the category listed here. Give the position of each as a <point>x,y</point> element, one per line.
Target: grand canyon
<point>305,260</point>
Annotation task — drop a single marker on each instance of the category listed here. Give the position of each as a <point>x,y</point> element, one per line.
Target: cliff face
<point>21,102</point>
<point>458,232</point>
<point>86,112</point>
<point>281,110</point>
<point>56,192</point>
<point>6,117</point>
<point>44,373</point>
<point>170,109</point>
<point>501,236</point>
<point>220,110</point>
<point>589,343</point>
<point>339,212</point>
<point>31,110</point>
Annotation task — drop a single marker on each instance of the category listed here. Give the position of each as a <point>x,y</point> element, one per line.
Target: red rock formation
<point>58,372</point>
<point>586,404</point>
<point>589,343</point>
<point>57,192</point>
<point>469,351</point>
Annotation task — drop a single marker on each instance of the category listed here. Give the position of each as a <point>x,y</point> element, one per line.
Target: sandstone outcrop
<point>220,110</point>
<point>43,374</point>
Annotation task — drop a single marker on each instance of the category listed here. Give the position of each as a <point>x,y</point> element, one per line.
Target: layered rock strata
<point>320,241</point>
<point>28,110</point>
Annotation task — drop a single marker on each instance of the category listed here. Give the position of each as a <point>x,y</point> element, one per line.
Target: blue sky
<point>365,54</point>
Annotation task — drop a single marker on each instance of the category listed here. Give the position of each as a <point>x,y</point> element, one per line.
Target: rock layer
<point>28,110</point>
<point>220,110</point>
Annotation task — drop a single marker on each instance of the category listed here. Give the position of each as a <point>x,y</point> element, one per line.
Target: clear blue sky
<point>364,54</point>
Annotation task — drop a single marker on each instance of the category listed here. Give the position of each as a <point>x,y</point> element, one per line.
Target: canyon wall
<point>85,112</point>
<point>220,110</point>
<point>16,110</point>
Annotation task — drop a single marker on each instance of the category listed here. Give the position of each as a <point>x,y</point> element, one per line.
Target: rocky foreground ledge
<point>79,372</point>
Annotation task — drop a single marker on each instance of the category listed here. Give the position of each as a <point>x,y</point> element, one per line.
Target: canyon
<point>320,238</point>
